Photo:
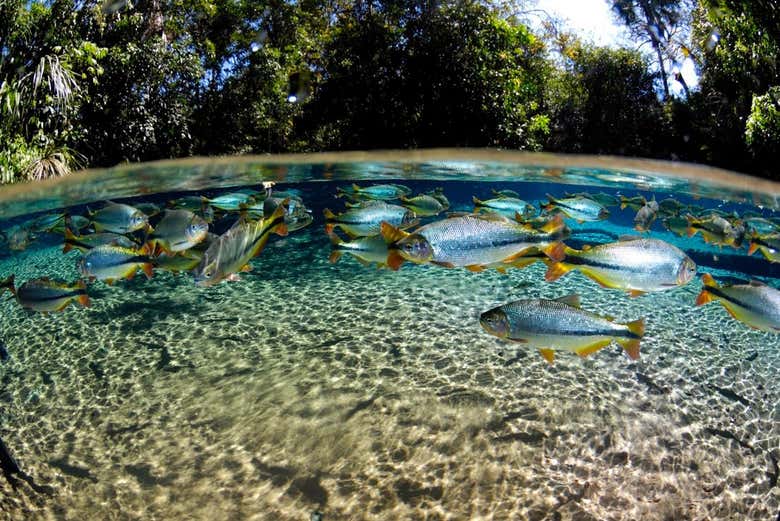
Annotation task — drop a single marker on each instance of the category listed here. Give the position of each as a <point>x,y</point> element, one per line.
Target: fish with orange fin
<point>86,242</point>
<point>548,325</point>
<point>365,220</point>
<point>714,229</point>
<point>46,295</point>
<point>109,263</point>
<point>473,241</point>
<point>636,265</point>
<point>768,244</point>
<point>232,251</point>
<point>177,231</point>
<point>755,304</point>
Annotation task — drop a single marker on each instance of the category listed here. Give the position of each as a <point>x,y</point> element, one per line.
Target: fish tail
<point>9,283</point>
<point>69,239</point>
<point>334,257</point>
<point>556,251</point>
<point>83,298</point>
<point>329,215</point>
<point>705,296</point>
<point>476,201</point>
<point>631,347</point>
<point>355,187</point>
<point>753,247</point>
<point>623,202</point>
<point>554,225</point>
<point>148,269</point>
<point>555,271</point>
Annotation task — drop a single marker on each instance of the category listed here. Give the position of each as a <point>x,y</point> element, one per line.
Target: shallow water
<point>364,393</point>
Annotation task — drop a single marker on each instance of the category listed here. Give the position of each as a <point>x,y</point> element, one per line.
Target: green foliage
<point>763,126</point>
<point>604,102</point>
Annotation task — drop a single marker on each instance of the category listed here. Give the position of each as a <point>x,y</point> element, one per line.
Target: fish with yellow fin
<point>755,304</point>
<point>560,324</point>
<point>768,244</point>
<point>233,250</point>
<point>46,295</point>
<point>366,250</point>
<point>473,241</point>
<point>109,263</point>
<point>635,265</point>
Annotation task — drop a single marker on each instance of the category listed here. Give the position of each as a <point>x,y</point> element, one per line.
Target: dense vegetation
<point>97,82</point>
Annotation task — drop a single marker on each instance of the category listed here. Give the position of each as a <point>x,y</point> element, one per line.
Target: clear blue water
<point>364,393</point>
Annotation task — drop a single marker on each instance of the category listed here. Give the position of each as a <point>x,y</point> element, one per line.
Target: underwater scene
<point>438,340</point>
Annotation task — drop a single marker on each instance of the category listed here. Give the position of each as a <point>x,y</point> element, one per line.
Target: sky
<point>593,20</point>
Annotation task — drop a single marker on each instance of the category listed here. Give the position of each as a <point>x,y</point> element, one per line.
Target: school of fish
<point>386,225</point>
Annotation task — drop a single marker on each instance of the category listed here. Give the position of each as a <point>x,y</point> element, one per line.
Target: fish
<point>150,209</point>
<point>637,266</point>
<point>755,304</point>
<point>367,250</point>
<point>178,230</point>
<point>296,216</point>
<point>19,238</point>
<point>580,209</point>
<point>423,205</point>
<point>119,218</point>
<point>561,324</point>
<point>45,223</point>
<point>473,241</point>
<point>86,242</point>
<point>46,295</point>
<point>438,194</point>
<point>109,263</point>
<point>601,198</point>
<point>183,261</point>
<point>635,203</point>
<point>714,229</point>
<point>645,216</point>
<point>670,207</point>
<point>768,244</point>
<point>507,206</point>
<point>233,250</point>
<point>383,192</point>
<point>365,220</point>
<point>230,202</point>
<point>506,193</point>
<point>193,203</point>
<point>760,226</point>
<point>74,223</point>
<point>676,225</point>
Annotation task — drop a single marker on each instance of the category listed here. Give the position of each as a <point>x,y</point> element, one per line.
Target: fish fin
<point>753,247</point>
<point>548,354</point>
<point>443,264</point>
<point>282,230</point>
<point>355,187</point>
<point>521,262</point>
<point>329,214</point>
<point>556,251</point>
<point>475,268</point>
<point>476,201</point>
<point>572,300</point>
<point>245,268</point>
<point>110,282</point>
<point>148,270</point>
<point>708,280</point>
<point>501,270</point>
<point>637,327</point>
<point>520,254</point>
<point>631,347</point>
<point>587,247</point>
<point>555,271</point>
<point>84,300</point>
<point>592,348</point>
<point>553,225</point>
<point>68,237</point>
<point>394,260</point>
<point>634,293</point>
<point>597,278</point>
<point>329,227</point>
<point>391,234</point>
<point>704,297</point>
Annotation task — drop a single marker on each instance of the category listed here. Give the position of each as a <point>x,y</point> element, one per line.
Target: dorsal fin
<point>391,234</point>
<point>572,300</point>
